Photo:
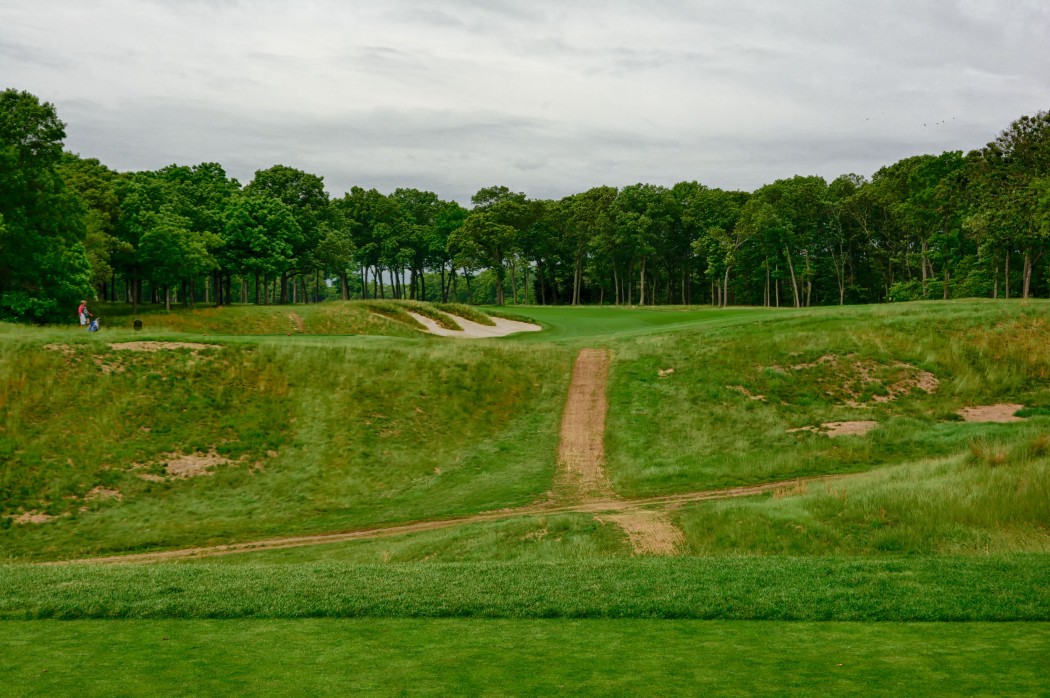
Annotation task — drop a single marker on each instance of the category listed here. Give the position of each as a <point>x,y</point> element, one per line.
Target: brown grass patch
<point>33,517</point>
<point>854,382</point>
<point>161,346</point>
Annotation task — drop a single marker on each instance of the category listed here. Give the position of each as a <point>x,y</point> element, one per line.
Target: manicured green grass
<point>950,588</point>
<point>597,325</point>
<point>463,657</point>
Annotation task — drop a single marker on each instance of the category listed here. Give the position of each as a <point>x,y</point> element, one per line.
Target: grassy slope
<point>397,433</point>
<point>694,430</point>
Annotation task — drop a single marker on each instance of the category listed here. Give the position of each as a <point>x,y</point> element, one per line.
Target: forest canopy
<point>929,226</point>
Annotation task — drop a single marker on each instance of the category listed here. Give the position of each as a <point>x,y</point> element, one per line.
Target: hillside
<point>112,443</point>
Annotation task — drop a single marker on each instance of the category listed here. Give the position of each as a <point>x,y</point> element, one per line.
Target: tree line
<point>928,226</point>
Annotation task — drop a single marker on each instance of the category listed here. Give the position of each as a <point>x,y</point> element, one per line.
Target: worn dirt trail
<point>581,458</point>
<point>608,507</point>
<point>581,450</point>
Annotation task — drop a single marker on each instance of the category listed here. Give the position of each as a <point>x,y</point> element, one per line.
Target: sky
<point>548,98</point>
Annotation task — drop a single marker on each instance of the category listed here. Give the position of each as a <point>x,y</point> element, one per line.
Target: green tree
<point>44,269</point>
<point>1010,172</point>
<point>261,234</point>
<point>305,197</point>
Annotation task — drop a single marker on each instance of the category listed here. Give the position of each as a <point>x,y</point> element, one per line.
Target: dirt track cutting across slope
<point>610,506</point>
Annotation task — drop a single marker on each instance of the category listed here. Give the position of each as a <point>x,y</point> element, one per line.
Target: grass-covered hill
<point>117,442</point>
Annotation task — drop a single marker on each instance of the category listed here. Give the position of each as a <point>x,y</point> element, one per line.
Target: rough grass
<point>964,504</point>
<point>319,438</point>
<point>702,426</point>
<point>368,317</point>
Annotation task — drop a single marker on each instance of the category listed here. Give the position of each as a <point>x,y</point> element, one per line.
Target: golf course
<point>389,497</point>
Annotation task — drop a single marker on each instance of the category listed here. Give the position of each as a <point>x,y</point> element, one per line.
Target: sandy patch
<point>297,322</point>
<point>161,346</point>
<point>33,517</point>
<point>101,492</point>
<point>836,429</point>
<point>650,532</point>
<point>474,330</point>
<point>179,466</point>
<point>193,465</point>
<point>991,413</point>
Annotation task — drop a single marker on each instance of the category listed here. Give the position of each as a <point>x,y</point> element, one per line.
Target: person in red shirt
<point>82,311</point>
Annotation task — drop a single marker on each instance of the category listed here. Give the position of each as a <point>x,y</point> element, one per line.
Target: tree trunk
<point>513,283</point>
<point>794,281</point>
<point>725,286</point>
<point>641,284</point>
<point>1026,277</point>
<point>1007,274</point>
<point>167,298</point>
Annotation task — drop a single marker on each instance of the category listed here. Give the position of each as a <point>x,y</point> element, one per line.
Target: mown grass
<point>464,657</point>
<point>320,438</point>
<point>917,588</point>
<point>702,426</point>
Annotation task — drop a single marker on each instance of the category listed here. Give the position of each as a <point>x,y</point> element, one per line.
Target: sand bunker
<point>991,413</point>
<point>474,330</point>
<point>836,429</point>
<point>161,346</point>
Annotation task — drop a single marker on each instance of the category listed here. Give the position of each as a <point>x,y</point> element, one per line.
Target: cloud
<point>548,98</point>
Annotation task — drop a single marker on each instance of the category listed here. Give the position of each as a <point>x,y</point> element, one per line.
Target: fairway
<point>491,658</point>
<point>654,480</point>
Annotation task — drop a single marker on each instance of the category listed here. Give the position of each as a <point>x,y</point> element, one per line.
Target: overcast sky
<point>549,98</point>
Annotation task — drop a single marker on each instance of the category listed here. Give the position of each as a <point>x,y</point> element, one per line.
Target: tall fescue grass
<point>320,438</point>
<point>700,427</point>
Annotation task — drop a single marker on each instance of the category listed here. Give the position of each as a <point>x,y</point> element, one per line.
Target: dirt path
<point>650,532</point>
<point>581,450</point>
<point>614,510</point>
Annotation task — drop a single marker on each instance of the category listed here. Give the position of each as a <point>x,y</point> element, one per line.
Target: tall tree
<point>44,269</point>
<point>305,197</point>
